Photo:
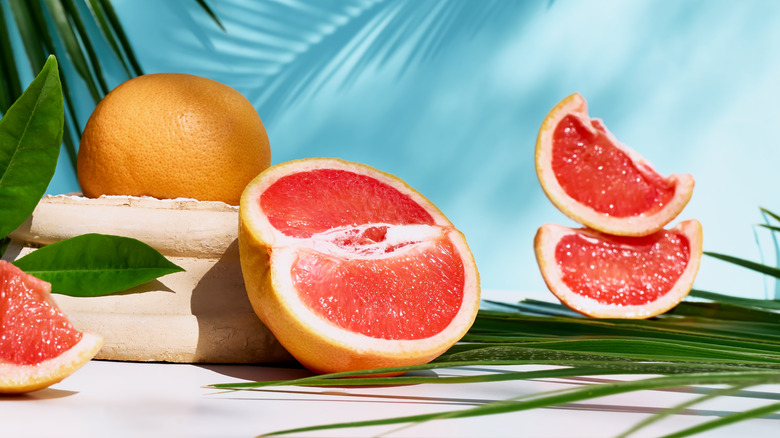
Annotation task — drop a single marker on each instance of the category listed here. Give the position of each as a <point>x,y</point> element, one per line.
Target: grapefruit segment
<point>607,276</point>
<point>599,182</point>
<point>353,269</point>
<point>38,345</point>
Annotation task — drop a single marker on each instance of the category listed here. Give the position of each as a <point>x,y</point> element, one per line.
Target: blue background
<point>449,95</point>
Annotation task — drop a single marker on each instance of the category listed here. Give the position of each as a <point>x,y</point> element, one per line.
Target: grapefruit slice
<point>353,269</point>
<point>607,276</point>
<point>38,345</point>
<point>599,182</point>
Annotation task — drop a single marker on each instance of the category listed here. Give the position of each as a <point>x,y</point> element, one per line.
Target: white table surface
<point>124,399</point>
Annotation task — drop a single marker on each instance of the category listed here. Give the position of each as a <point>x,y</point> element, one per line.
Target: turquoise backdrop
<point>449,95</point>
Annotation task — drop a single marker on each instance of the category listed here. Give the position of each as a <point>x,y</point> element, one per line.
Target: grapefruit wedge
<point>38,345</point>
<point>353,269</point>
<point>599,182</point>
<point>607,276</point>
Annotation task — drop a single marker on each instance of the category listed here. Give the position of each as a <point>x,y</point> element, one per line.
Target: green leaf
<point>10,87</point>
<point>726,420</point>
<point>96,264</point>
<point>556,398</point>
<point>758,267</point>
<point>769,213</point>
<point>30,138</point>
<point>211,13</point>
<point>739,301</point>
<point>718,392</point>
<point>72,46</point>
<point>113,21</point>
<point>770,227</point>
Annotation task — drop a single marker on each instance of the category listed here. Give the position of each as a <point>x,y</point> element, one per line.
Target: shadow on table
<point>41,394</point>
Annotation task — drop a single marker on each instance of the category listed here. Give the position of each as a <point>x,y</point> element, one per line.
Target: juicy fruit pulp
<point>364,271</point>
<point>613,276</point>
<point>32,329</point>
<point>595,172</point>
<point>411,298</point>
<point>625,271</point>
<point>346,281</point>
<point>599,182</point>
<point>38,345</point>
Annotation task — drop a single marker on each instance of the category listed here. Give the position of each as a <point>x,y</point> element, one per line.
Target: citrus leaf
<point>30,138</point>
<point>96,264</point>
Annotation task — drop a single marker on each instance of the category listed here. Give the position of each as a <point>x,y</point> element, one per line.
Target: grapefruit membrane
<point>606,276</point>
<point>353,269</point>
<point>38,345</point>
<point>599,182</point>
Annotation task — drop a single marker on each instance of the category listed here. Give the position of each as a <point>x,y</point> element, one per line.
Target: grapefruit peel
<point>267,255</point>
<point>546,242</point>
<point>17,378</point>
<point>640,224</point>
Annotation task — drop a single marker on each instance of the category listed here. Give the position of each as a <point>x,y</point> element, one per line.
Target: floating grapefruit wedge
<point>607,276</point>
<point>38,345</point>
<point>353,269</point>
<point>599,182</point>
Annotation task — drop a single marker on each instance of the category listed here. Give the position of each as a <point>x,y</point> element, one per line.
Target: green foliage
<point>95,264</point>
<point>700,343</point>
<point>30,137</point>
<point>60,28</point>
<point>89,265</point>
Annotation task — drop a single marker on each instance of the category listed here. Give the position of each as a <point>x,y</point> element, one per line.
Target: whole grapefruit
<point>172,135</point>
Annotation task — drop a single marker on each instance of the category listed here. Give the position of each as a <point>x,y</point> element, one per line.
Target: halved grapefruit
<point>353,269</point>
<point>599,182</point>
<point>38,345</point>
<point>607,276</point>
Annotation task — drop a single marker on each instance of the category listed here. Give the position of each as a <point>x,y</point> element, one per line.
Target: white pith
<point>550,234</point>
<point>398,239</point>
<point>636,225</point>
<point>50,371</point>
<point>285,249</point>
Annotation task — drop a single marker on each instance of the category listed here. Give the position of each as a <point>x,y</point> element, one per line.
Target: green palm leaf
<point>59,27</point>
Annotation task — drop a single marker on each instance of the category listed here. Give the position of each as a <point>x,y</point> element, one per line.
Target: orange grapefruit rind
<point>321,346</point>
<point>18,379</point>
<point>637,225</point>
<point>545,243</point>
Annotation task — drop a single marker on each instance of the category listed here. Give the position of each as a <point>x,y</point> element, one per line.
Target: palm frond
<point>300,48</point>
<point>62,28</point>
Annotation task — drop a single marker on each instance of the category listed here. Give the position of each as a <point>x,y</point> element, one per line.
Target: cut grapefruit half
<point>353,269</point>
<point>38,345</point>
<point>599,182</point>
<point>607,276</point>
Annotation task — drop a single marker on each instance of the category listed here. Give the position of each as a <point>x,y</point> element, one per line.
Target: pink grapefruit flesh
<point>351,268</point>
<point>621,277</point>
<point>599,182</point>
<point>38,345</point>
